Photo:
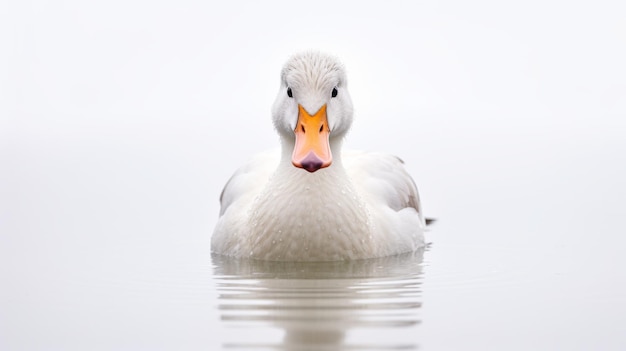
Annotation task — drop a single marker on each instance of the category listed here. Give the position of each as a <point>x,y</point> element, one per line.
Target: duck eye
<point>334,94</point>
<point>289,93</point>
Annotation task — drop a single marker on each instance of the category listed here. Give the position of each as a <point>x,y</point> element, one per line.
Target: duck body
<point>303,204</point>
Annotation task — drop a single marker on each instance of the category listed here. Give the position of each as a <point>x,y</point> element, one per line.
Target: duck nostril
<point>302,128</point>
<point>321,128</point>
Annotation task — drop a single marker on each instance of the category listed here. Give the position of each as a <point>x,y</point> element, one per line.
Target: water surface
<point>355,305</point>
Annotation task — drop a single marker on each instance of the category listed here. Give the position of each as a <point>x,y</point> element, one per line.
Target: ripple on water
<point>365,304</point>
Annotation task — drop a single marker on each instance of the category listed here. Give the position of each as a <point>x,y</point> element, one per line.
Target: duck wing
<point>383,179</point>
<point>249,179</point>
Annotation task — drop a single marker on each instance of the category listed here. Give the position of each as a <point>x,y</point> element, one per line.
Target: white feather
<point>364,205</point>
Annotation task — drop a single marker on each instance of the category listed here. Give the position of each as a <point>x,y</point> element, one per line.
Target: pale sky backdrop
<point>454,88</point>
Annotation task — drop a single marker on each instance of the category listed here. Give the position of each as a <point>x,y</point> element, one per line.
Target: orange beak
<point>312,150</point>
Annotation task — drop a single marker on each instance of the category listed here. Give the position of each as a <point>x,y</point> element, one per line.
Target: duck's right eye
<point>289,93</point>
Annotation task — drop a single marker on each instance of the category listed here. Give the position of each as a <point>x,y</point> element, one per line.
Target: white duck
<point>312,201</point>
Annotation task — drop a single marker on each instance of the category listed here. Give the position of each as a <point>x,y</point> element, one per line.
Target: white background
<point>120,121</point>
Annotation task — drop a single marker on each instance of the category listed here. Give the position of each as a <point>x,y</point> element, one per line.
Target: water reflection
<point>367,304</point>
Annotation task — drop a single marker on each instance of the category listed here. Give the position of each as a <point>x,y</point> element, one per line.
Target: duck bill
<point>312,149</point>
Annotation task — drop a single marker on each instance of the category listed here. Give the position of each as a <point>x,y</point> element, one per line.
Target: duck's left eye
<point>289,93</point>
<point>334,93</point>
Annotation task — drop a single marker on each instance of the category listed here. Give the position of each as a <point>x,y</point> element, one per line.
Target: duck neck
<point>309,216</point>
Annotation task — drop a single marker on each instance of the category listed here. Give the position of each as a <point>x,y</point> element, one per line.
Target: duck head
<point>313,110</point>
